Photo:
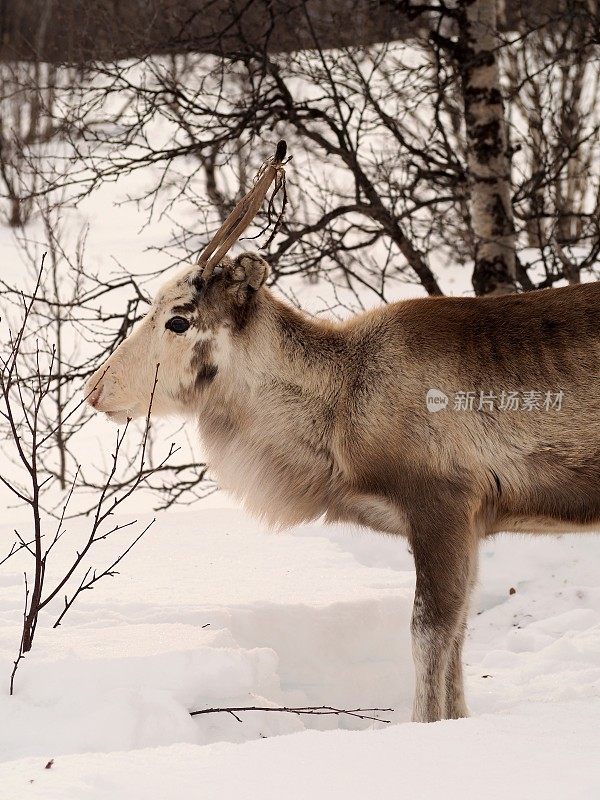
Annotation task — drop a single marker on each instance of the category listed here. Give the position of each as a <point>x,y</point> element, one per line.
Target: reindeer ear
<point>250,270</point>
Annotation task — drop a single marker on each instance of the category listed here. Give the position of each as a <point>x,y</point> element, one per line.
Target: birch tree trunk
<point>487,148</point>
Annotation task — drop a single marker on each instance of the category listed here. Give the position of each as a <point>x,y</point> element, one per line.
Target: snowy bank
<point>211,610</point>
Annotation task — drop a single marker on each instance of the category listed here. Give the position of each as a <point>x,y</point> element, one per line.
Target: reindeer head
<point>183,342</point>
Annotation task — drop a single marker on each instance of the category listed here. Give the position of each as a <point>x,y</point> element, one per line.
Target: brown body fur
<point>303,418</point>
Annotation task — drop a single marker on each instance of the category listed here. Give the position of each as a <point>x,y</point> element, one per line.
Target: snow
<point>488,757</point>
<point>211,610</point>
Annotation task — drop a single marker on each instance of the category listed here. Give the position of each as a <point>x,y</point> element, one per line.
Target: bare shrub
<point>27,372</point>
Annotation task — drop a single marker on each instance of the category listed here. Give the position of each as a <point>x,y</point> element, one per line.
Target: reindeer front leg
<point>445,560</point>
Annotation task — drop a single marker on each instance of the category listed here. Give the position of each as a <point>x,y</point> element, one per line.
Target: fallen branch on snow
<point>359,713</point>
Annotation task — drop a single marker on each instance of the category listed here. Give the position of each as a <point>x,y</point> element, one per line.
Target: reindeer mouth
<point>118,417</point>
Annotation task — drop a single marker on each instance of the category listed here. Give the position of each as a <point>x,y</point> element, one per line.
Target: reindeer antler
<point>245,211</point>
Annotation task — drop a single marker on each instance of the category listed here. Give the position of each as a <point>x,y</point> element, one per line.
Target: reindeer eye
<point>177,324</point>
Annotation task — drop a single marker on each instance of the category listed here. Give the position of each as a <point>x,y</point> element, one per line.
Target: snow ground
<point>211,610</point>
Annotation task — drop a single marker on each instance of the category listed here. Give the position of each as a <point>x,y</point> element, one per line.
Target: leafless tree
<point>24,394</point>
<point>31,123</point>
<point>406,155</point>
<point>553,77</point>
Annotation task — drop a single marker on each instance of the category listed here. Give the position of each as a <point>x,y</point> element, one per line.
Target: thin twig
<point>107,572</point>
<point>20,654</point>
<point>359,713</point>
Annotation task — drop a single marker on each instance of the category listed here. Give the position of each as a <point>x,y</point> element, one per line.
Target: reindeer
<point>302,417</point>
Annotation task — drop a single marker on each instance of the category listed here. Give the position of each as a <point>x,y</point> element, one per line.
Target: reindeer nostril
<point>93,397</point>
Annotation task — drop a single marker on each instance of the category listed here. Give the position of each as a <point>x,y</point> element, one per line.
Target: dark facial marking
<point>201,362</point>
<point>185,308</point>
<point>206,374</point>
<point>199,284</point>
